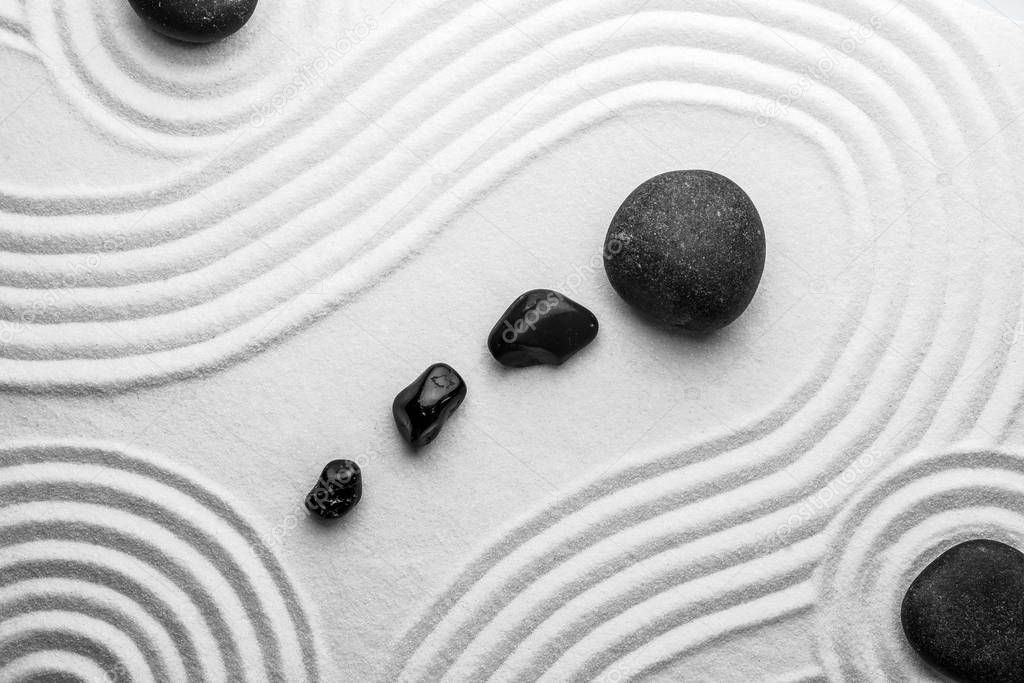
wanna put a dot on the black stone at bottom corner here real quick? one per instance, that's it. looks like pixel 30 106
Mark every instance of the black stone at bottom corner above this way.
pixel 541 327
pixel 964 614
pixel 338 490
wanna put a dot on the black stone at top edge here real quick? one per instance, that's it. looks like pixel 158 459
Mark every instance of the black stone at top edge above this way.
pixel 195 21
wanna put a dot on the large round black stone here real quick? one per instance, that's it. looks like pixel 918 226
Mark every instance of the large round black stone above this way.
pixel 687 249
pixel 195 21
pixel 965 613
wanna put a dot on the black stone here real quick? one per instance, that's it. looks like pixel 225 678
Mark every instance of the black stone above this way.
pixel 541 327
pixel 965 613
pixel 422 408
pixel 687 249
pixel 337 491
pixel 195 21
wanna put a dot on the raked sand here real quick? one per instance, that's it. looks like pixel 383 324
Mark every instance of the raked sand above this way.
pixel 219 264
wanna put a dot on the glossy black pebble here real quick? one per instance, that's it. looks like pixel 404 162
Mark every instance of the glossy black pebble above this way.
pixel 195 21
pixel 965 613
pixel 687 249
pixel 423 407
pixel 337 491
pixel 541 327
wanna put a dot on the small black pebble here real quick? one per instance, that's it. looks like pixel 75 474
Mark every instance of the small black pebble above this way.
pixel 687 249
pixel 541 327
pixel 422 408
pixel 195 21
pixel 964 614
pixel 337 491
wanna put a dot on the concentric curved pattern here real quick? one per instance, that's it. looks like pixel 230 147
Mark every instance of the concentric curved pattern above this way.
pixel 911 514
pixel 656 558
pixel 113 563
pixel 152 95
pixel 684 548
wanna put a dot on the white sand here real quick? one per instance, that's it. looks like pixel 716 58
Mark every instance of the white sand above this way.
pixel 174 220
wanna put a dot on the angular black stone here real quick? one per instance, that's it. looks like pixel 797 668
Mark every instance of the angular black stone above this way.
pixel 195 21
pixel 337 491
pixel 423 407
pixel 687 249
pixel 541 327
pixel 965 613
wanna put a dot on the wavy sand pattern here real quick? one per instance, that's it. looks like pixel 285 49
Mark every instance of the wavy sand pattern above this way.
pixel 207 282
pixel 915 510
pixel 111 562
pixel 669 553
pixel 639 568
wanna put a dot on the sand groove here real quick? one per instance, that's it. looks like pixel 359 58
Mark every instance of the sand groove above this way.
pixel 632 571
pixel 211 329
pixel 496 591
pixel 140 569
pixel 913 511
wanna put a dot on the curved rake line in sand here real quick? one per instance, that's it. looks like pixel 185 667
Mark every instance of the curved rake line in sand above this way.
pixel 102 78
pixel 50 334
pixel 12 17
pixel 927 502
pixel 154 66
pixel 614 478
pixel 27 351
pixel 695 598
pixel 215 84
pixel 38 456
pixel 166 643
pixel 13 31
pixel 234 616
pixel 95 349
pixel 135 303
pixel 311 147
pixel 153 655
pixel 656 650
pixel 54 665
pixel 986 521
pixel 58 375
pixel 107 60
pixel 391 45
pixel 191 633
pixel 462 113
pixel 692 634
pixel 75 634
pixel 102 305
